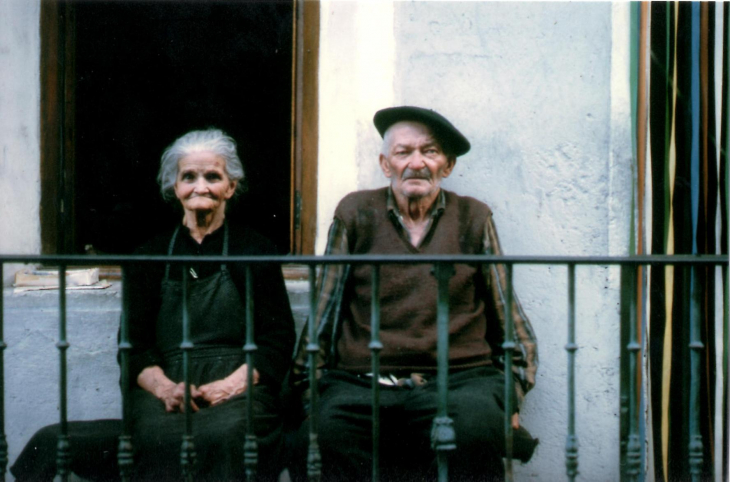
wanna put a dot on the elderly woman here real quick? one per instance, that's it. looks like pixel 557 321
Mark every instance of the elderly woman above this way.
pixel 202 172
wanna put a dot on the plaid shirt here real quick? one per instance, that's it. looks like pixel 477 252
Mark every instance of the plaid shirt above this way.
pixel 333 278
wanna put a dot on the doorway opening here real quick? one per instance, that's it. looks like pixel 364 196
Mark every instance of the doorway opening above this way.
pixel 123 80
pixel 146 73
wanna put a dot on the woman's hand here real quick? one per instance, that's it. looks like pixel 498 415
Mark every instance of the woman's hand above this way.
pixel 154 380
pixel 234 384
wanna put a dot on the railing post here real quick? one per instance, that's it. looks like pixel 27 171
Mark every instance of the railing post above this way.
pixel 250 448
pixel 509 385
pixel 696 346
pixel 125 452
pixel 187 448
pixel 375 346
pixel 314 460
pixel 571 443
pixel 3 439
pixel 63 459
pixel 633 445
pixel 443 437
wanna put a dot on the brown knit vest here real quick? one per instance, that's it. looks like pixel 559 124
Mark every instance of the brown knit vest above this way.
pixel 408 292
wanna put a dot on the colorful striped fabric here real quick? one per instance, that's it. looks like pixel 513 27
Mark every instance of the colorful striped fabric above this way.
pixel 686 183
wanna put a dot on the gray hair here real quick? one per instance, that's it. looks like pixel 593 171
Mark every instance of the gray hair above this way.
pixel 387 142
pixel 209 140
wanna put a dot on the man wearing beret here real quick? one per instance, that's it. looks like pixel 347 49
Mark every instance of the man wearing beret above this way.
pixel 414 215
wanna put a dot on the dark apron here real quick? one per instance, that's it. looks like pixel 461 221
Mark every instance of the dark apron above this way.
pixel 217 323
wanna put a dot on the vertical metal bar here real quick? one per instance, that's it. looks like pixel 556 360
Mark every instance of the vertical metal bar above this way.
pixel 187 448
pixel 250 447
pixel 443 437
pixel 375 346
pixel 696 346
pixel 3 439
pixel 571 443
pixel 509 380
pixel 125 457
pixel 314 460
pixel 633 447
pixel 627 299
pixel 63 459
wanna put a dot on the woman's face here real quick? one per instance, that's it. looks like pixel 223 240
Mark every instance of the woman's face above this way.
pixel 202 184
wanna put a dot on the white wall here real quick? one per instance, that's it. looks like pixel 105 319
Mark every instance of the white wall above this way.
pixel 19 128
pixel 357 71
pixel 541 90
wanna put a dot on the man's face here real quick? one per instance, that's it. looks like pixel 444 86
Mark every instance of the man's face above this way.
pixel 415 161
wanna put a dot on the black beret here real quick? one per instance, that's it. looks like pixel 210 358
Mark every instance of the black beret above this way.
pixel 452 141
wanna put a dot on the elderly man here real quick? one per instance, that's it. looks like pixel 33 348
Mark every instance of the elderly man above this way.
pixel 414 215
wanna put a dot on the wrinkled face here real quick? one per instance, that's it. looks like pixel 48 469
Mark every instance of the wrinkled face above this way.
pixel 202 183
pixel 415 161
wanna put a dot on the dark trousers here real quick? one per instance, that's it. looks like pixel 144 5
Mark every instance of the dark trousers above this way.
pixel 476 406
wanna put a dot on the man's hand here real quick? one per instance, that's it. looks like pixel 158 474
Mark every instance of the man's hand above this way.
pixel 516 421
pixel 234 384
pixel 154 380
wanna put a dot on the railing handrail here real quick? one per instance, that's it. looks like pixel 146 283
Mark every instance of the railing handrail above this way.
pixel 119 259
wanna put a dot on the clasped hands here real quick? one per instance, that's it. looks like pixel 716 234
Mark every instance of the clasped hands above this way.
pixel 214 393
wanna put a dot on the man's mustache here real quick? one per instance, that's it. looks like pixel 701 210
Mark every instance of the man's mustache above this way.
pixel 417 174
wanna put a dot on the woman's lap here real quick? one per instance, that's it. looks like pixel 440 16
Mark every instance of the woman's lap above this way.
pixel 219 436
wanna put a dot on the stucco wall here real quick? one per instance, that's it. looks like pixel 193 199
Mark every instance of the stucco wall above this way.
pixel 541 90
pixel 19 128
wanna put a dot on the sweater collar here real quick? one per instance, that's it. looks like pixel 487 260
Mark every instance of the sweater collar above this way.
pixel 396 217
pixel 438 206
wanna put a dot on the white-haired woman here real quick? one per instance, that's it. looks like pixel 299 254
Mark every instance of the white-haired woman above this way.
pixel 202 171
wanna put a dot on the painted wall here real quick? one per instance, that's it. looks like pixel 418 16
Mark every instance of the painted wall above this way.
pixel 19 128
pixel 541 90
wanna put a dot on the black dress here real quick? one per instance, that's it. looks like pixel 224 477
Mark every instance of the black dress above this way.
pixel 217 307
pixel 216 310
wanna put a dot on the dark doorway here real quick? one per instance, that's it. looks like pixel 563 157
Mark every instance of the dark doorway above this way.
pixel 146 73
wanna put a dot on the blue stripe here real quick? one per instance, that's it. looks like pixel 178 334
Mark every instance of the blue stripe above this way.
pixel 695 106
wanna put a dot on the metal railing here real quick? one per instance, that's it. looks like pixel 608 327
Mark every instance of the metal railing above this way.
pixel 443 438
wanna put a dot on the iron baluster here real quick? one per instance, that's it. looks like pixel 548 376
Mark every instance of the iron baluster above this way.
pixel 509 385
pixel 633 446
pixel 696 346
pixel 571 443
pixel 314 460
pixel 63 458
pixel 125 458
pixel 250 447
pixel 375 346
pixel 187 448
pixel 3 438
pixel 443 437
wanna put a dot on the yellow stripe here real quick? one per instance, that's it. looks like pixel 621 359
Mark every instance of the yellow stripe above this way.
pixel 669 270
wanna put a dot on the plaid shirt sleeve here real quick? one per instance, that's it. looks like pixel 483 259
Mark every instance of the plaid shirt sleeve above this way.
pixel 329 289
pixel 525 360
